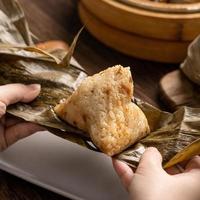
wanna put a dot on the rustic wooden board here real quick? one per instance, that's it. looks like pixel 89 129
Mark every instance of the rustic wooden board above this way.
pixel 177 90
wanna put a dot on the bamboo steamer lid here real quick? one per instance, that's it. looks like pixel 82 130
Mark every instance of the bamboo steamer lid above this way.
pixel 133 44
pixel 174 22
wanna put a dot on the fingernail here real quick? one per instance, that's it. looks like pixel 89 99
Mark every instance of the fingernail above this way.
pixel 35 86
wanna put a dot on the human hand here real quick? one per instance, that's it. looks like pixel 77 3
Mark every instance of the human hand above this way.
pixel 11 128
pixel 151 182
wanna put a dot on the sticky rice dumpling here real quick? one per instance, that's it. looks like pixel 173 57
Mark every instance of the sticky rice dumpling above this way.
pixel 101 107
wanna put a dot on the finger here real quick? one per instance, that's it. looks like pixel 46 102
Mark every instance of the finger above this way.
pixel 192 176
pixel 12 93
pixel 150 160
pixel 124 172
pixel 19 131
pixel 194 163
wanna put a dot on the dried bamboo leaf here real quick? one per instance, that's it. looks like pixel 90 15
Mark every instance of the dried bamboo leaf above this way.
pixel 27 64
pixel 8 32
pixel 13 25
pixel 190 151
pixel 173 133
pixel 57 83
pixel 66 60
pixel 28 52
pixel 190 67
pixel 57 48
pixel 30 64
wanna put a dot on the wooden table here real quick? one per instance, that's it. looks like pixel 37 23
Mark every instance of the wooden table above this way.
pixel 58 19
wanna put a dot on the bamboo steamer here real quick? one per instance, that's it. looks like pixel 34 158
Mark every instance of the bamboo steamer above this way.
pixel 178 22
pixel 132 44
pixel 144 29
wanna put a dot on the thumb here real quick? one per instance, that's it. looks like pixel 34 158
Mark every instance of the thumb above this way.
pixel 124 172
pixel 151 161
pixel 13 93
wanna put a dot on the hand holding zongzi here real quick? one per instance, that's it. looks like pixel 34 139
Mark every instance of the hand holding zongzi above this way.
pixel 12 129
pixel 151 182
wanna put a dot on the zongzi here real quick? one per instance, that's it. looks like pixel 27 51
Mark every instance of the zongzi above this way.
pixel 102 108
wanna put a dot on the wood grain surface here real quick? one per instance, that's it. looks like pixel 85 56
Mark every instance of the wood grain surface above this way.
pixel 141 21
pixel 52 19
pixel 133 44
pixel 177 90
